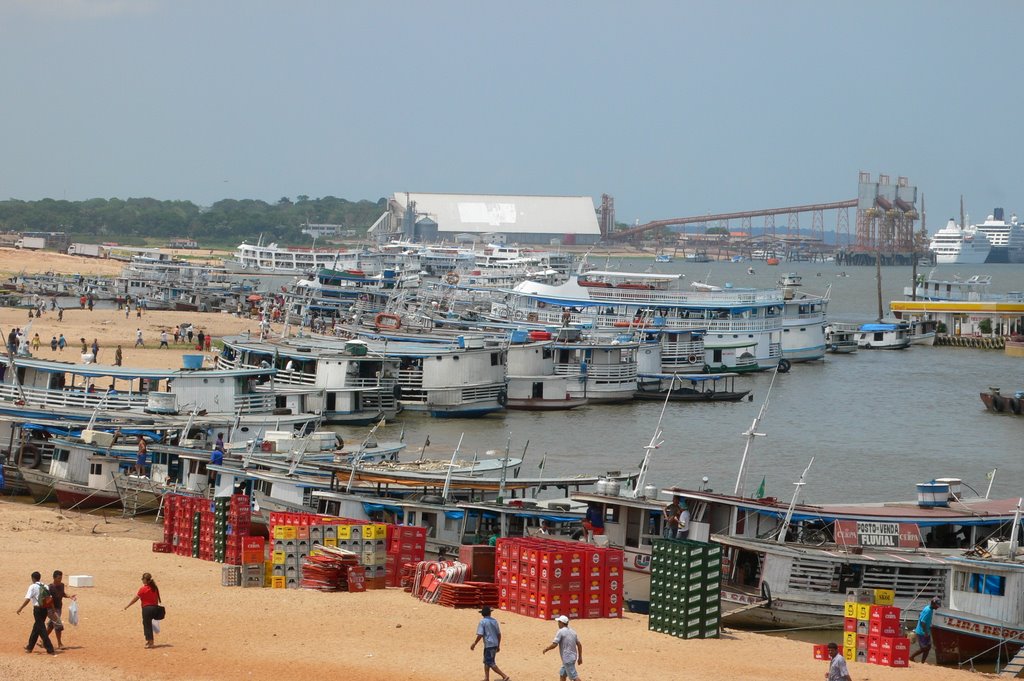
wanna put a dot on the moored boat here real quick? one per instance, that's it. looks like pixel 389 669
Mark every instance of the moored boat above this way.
pixel 996 402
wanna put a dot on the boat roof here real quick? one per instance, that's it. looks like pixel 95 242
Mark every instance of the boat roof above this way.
pixel 926 558
pixel 974 511
pixel 693 378
pixel 632 275
pixel 879 327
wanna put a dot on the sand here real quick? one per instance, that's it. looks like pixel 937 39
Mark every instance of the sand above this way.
pixel 111 328
pixel 215 632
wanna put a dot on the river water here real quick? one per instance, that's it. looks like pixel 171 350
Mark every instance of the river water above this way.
pixel 875 422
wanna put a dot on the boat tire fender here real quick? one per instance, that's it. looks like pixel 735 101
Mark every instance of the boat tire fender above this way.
pixel 706 369
pixel 1014 405
pixel 503 398
pixel 452 278
pixel 692 359
pixel 396 391
pixel 784 366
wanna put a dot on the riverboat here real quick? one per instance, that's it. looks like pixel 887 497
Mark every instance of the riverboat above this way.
pixel 996 402
pixel 689 388
pixel 881 336
pixel 841 339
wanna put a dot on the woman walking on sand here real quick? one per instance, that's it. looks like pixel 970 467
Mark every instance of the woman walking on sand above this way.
pixel 149 595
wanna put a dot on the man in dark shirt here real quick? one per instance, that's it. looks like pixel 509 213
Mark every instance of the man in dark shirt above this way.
pixel 593 523
pixel 56 613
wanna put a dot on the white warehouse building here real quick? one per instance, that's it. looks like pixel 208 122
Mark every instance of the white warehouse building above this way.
pixel 433 218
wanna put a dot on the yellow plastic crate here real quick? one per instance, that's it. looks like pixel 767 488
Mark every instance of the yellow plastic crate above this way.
pixel 849 609
pixel 850 639
pixel 278 557
pixel 277 582
pixel 344 531
pixel 331 541
pixel 863 611
pixel 885 597
pixel 850 653
pixel 285 532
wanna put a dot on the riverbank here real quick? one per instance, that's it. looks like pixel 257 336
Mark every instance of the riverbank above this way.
pixel 215 632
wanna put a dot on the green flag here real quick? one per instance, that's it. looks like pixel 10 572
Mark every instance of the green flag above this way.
pixel 542 460
pixel 759 494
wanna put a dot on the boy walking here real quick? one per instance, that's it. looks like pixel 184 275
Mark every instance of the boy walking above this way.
pixel 59 593
pixel 569 647
pixel 39 610
pixel 489 632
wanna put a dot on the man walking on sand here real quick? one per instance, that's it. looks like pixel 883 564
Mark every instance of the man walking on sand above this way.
pixel 837 669
pixel 490 633
pixel 138 338
pixel 118 356
pixel 39 611
pixel 163 338
pixel 569 647
pixel 923 631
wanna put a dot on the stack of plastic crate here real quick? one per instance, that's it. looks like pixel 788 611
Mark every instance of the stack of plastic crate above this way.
pixel 405 544
pixel 686 582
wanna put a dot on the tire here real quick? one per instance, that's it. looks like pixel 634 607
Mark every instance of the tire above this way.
pixel 1014 405
pixel 503 398
pixel 784 366
pixel 396 391
pixel 29 457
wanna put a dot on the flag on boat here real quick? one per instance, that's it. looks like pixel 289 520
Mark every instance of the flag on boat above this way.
pixel 759 494
pixel 542 460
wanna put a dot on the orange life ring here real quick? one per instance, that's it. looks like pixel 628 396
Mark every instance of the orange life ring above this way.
pixel 622 324
pixel 452 278
pixel 394 321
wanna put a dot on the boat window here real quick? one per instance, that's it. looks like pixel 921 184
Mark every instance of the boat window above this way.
pixel 61 455
pixel 979 583
pixel 95 469
pixel 813 575
pixel 494 359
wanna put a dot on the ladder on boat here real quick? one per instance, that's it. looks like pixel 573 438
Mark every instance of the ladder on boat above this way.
pixel 1014 666
pixel 129 499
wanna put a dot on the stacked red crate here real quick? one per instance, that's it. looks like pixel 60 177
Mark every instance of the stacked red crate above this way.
pixel 885 644
pixel 405 544
pixel 545 578
pixel 239 525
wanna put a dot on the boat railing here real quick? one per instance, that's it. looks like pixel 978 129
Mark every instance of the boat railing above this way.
pixel 620 372
pixel 294 377
pixel 248 403
pixel 681 349
pixel 725 297
pixel 72 397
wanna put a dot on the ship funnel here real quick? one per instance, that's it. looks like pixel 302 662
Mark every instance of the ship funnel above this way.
pixel 997 213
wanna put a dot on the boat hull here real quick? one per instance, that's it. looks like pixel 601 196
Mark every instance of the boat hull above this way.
pixel 692 396
pixel 544 405
pixel 960 637
pixel 1003 404
pixel 70 495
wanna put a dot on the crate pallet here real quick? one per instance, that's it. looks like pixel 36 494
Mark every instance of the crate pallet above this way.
pixel 468 595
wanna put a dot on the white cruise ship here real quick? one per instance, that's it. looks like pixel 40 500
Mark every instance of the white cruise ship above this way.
pixel 1007 238
pixel 953 245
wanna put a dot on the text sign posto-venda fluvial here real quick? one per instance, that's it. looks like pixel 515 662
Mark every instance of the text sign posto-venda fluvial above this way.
pixel 877 534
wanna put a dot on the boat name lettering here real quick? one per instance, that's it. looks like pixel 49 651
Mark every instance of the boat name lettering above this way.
pixel 980 628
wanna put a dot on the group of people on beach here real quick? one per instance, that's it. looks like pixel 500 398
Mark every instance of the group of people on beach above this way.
pixel 47 602
pixel 566 639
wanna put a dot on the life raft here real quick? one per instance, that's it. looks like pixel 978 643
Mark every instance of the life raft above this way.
pixel 386 320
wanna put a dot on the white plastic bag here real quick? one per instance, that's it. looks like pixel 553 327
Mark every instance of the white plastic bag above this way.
pixel 73 613
pixel 156 626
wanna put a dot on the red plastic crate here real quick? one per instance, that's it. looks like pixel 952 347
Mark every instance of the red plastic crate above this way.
pixel 850 624
pixel 821 652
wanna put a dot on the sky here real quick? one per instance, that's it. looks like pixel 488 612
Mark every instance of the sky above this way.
pixel 672 108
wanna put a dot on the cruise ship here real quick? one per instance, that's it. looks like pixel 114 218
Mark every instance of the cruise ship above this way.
pixel 953 245
pixel 1007 238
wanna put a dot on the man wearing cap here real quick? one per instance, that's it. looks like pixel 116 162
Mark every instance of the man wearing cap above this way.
pixel 489 631
pixel 569 647
pixel 837 669
pixel 923 631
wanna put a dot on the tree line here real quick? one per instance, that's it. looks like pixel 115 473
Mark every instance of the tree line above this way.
pixel 225 223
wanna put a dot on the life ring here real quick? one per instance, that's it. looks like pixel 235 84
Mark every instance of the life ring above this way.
pixel 503 313
pixel 396 391
pixel 999 403
pixel 452 278
pixel 622 324
pixel 692 359
pixel 267 446
pixel 520 315
pixel 784 366
pixel 706 369
pixel 502 398
pixel 393 321
pixel 29 457
pixel 541 304
pixel 284 289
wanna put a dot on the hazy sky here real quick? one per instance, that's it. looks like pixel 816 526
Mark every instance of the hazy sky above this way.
pixel 673 108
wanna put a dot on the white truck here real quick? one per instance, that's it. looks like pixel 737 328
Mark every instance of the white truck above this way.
pixel 88 250
pixel 31 242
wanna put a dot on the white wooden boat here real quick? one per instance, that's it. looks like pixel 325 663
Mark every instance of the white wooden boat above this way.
pixel 881 336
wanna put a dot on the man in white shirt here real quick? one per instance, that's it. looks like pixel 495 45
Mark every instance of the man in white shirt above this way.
pixel 837 669
pixel 570 649
pixel 39 614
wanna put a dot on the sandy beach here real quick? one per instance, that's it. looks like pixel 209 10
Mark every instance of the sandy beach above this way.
pixel 215 632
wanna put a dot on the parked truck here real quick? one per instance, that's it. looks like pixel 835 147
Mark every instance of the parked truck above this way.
pixel 31 242
pixel 88 250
